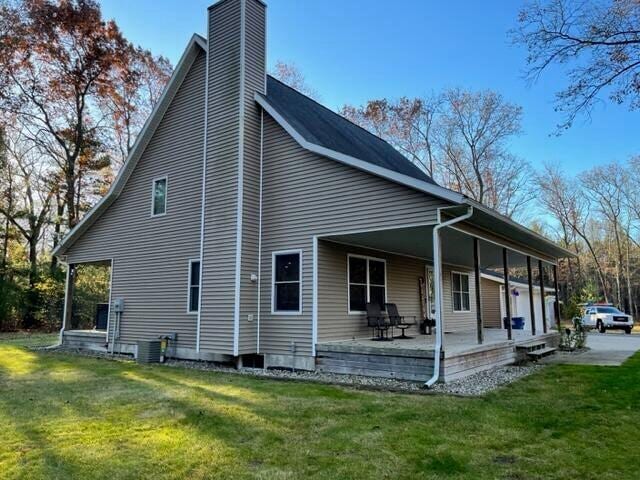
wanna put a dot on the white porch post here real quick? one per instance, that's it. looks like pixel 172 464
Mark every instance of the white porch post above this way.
pixel 478 291
pixel 507 292
pixel 542 295
pixel 556 290
pixel 438 292
pixel 532 311
pixel 314 296
pixel 68 299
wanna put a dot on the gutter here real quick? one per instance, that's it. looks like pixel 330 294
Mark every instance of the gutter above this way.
pixel 437 273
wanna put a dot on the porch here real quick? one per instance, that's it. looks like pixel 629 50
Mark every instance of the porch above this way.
pixel 413 359
pixel 432 273
pixel 87 304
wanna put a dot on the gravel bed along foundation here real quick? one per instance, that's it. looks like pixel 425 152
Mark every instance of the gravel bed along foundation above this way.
pixel 473 385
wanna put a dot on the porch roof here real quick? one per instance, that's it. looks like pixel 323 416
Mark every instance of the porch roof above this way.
pixel 457 241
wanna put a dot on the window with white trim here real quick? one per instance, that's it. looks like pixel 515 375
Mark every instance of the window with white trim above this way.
pixel 193 304
pixel 460 292
pixel 286 291
pixel 367 282
pixel 159 197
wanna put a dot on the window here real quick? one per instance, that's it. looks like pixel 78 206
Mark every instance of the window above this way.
pixel 194 287
pixel 367 282
pixel 286 272
pixel 460 292
pixel 159 197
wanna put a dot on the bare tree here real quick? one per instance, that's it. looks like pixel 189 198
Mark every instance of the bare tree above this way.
pixel 475 128
pixel 408 124
pixel 606 184
pixel 563 199
pixel 290 74
pixel 599 42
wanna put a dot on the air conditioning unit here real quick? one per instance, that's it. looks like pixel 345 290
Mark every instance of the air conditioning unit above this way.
pixel 148 351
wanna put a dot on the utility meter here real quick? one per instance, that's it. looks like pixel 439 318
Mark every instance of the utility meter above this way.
pixel 118 305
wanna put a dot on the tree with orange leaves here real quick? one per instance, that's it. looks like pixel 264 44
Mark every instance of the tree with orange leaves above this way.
pixel 56 61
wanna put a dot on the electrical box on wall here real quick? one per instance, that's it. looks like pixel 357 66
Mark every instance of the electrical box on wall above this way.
pixel 118 305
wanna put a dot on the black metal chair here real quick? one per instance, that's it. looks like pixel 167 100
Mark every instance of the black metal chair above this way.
pixel 378 322
pixel 398 321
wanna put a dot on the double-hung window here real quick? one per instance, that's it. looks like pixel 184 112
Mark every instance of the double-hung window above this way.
pixel 286 288
pixel 460 292
pixel 367 282
pixel 159 197
pixel 193 303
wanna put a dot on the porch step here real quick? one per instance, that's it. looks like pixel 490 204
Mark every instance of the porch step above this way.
pixel 540 353
pixel 532 346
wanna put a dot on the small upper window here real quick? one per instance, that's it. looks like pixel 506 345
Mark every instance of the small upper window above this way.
pixel 460 292
pixel 159 198
pixel 286 282
pixel 194 286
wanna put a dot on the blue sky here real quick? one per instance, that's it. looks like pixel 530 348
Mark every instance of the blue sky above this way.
pixel 354 50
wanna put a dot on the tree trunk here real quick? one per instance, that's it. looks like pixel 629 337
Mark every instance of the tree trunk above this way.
pixel 32 297
pixel 5 248
pixel 57 227
pixel 70 194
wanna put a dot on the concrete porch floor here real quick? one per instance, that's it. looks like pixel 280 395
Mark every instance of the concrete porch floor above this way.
pixel 454 343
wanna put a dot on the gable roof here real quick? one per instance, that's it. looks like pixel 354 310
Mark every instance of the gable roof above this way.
pixel 321 126
pixel 315 128
pixel 196 44
pixel 322 131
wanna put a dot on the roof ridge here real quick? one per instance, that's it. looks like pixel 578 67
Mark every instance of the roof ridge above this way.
pixel 352 123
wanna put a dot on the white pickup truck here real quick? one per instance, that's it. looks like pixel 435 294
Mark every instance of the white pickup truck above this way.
pixel 605 318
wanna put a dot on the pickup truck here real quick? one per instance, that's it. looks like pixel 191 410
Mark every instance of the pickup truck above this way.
pixel 605 318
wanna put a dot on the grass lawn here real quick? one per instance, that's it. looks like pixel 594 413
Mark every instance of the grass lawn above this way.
pixel 67 417
pixel 29 339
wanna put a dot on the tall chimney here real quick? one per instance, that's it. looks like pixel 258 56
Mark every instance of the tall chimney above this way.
pixel 235 72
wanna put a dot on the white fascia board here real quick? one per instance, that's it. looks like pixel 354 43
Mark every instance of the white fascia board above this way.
pixel 150 126
pixel 516 225
pixel 426 187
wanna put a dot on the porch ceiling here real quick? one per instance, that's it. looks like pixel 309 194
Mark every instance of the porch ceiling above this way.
pixel 457 246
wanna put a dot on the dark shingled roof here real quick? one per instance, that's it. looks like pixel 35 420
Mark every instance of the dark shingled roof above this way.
pixel 320 126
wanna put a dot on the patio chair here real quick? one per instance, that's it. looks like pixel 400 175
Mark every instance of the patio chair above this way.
pixel 398 321
pixel 378 322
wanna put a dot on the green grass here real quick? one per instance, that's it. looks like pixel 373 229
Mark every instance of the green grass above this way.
pixel 66 417
pixel 29 339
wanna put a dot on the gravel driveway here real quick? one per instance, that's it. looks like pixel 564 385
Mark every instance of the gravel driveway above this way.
pixel 607 349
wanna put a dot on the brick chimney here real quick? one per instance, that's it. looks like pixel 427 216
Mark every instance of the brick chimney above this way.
pixel 235 72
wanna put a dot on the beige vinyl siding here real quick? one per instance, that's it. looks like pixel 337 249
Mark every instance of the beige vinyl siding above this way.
pixel 457 321
pixel 254 82
pixel 221 195
pixel 151 255
pixel 336 323
pixel 491 304
pixel 304 195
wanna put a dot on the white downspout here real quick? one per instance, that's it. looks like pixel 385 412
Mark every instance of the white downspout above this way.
pixel 437 273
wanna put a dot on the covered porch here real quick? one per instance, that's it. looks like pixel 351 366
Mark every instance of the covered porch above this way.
pixel 432 273
pixel 85 321
pixel 413 359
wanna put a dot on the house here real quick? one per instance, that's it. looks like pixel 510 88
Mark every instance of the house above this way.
pixel 252 225
pixel 493 306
